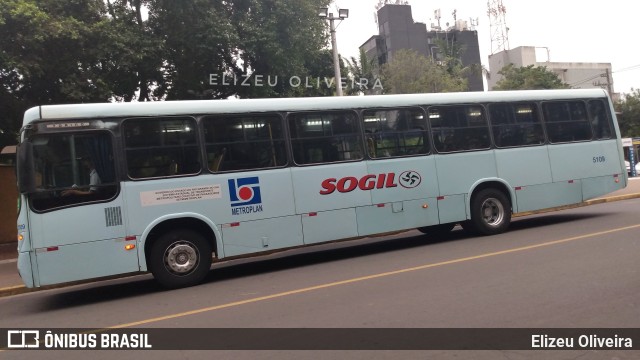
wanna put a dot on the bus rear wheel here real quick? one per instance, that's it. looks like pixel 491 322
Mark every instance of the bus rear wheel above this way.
pixel 490 212
pixel 180 258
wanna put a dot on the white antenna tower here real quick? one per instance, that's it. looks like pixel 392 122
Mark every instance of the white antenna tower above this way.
pixel 436 15
pixel 498 26
pixel 474 23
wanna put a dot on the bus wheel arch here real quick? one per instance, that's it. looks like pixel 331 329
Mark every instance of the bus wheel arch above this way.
pixel 490 208
pixel 179 251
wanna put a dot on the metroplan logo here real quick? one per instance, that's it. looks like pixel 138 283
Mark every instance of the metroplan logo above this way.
pixel 244 195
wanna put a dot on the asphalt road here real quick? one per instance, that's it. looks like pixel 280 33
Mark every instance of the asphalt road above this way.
pixel 574 268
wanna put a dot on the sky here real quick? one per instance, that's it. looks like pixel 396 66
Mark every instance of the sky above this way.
pixel 573 31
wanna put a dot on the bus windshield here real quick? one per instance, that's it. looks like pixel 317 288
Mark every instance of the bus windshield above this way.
pixel 71 169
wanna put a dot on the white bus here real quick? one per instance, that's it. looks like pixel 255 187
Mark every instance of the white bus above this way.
pixel 169 187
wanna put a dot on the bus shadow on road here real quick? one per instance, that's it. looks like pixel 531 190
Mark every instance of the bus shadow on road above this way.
pixel 296 258
pixel 101 292
pixel 525 223
pixel 127 288
pixel 338 251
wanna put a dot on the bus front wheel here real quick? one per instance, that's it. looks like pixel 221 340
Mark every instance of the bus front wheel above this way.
pixel 180 258
pixel 490 212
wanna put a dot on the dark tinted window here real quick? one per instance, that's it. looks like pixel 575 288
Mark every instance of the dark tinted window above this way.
pixel 244 143
pixel 325 137
pixel 391 133
pixel 459 128
pixel 515 124
pixel 600 120
pixel 158 147
pixel 566 121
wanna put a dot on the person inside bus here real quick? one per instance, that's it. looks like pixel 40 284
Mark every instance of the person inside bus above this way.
pixel 94 180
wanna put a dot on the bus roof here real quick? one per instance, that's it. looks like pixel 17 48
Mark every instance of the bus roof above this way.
pixel 190 107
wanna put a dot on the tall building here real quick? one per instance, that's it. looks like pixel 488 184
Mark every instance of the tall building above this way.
pixel 578 75
pixel 468 40
pixel 398 31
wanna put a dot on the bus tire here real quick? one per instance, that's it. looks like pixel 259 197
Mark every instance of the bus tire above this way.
pixel 437 230
pixel 490 212
pixel 180 258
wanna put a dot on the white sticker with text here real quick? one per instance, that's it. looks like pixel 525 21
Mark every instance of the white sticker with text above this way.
pixel 170 196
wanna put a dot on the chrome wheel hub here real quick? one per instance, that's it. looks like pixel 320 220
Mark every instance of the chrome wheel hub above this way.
pixel 181 257
pixel 492 212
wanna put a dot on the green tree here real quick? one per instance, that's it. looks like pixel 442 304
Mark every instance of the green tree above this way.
pixel 629 107
pixel 528 78
pixel 48 56
pixel 49 53
pixel 283 38
pixel 361 72
pixel 450 56
pixel 10 116
pixel 199 39
pixel 133 56
pixel 321 75
pixel 409 72
pixel 247 48
pixel 55 51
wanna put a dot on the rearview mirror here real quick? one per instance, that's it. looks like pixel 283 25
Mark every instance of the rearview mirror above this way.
pixel 25 168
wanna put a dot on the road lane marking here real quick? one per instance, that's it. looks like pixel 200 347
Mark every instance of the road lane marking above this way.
pixel 364 278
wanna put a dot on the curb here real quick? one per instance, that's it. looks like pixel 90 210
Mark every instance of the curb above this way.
pixel 21 289
pixel 16 290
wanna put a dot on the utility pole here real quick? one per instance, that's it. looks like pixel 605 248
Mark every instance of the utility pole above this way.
pixel 342 14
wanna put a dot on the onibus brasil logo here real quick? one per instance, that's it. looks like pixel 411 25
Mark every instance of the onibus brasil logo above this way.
pixel 244 195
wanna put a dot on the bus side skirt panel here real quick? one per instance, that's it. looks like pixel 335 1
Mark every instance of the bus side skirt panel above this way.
pixel 545 196
pixel 113 260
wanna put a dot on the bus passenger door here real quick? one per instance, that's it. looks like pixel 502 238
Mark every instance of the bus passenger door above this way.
pixel 404 197
pixel 327 197
pixel 402 176
pixel 328 185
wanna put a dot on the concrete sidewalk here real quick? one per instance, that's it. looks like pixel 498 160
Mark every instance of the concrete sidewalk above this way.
pixel 11 284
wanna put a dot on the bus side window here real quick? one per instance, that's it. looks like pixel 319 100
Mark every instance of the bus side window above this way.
pixel 515 124
pixel 600 122
pixel 325 137
pixel 566 121
pixel 247 142
pixel 459 128
pixel 392 133
pixel 157 147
